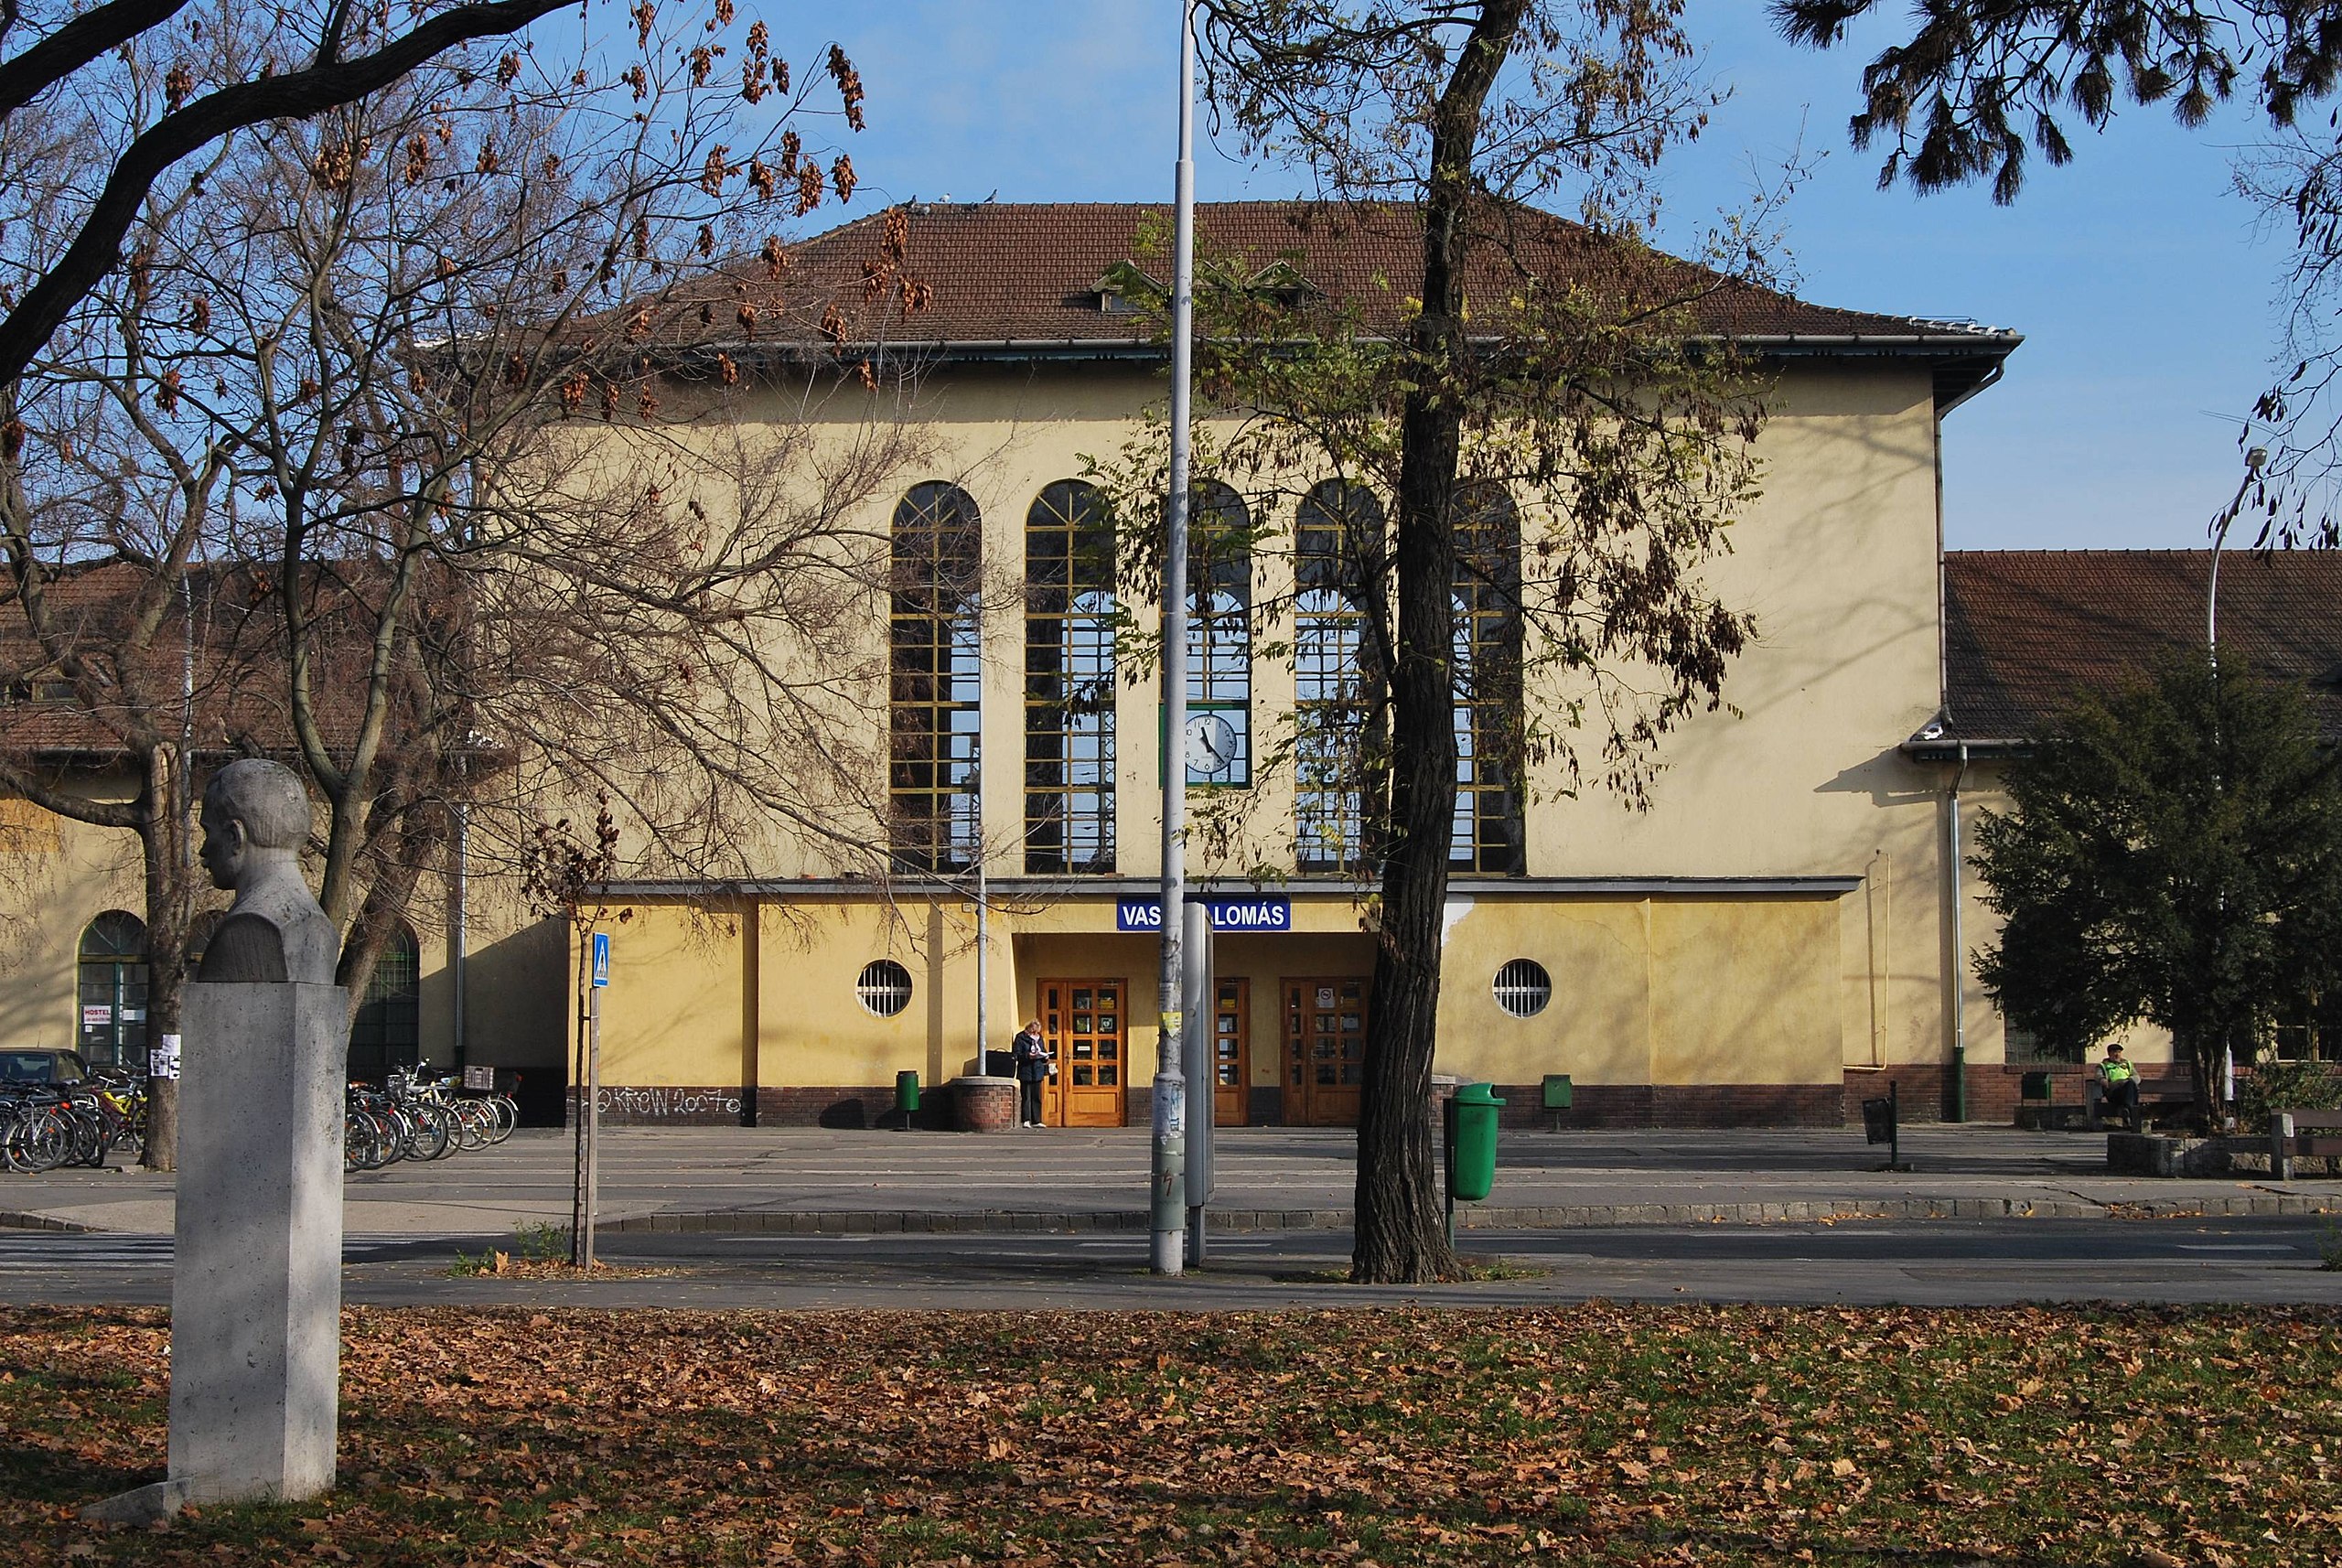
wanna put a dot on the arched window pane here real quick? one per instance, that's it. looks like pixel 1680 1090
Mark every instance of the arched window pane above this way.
pixel 1488 832
pixel 387 1031
pixel 1069 681
pixel 111 992
pixel 935 666
pixel 1337 534
pixel 1219 627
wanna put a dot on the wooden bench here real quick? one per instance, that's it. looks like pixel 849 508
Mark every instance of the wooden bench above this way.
pixel 2293 1134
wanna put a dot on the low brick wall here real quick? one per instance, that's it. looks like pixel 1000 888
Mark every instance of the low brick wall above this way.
pixel 1677 1105
pixel 852 1108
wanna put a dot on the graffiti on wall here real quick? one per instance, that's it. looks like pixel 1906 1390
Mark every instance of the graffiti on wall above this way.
pixel 666 1105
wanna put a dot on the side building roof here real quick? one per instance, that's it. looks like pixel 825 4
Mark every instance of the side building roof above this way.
pixel 2026 630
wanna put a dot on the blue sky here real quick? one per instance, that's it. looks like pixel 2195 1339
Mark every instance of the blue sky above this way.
pixel 2146 294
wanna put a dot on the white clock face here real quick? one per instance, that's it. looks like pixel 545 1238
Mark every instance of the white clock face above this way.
pixel 1211 745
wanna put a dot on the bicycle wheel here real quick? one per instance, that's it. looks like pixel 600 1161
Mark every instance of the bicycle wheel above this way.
pixel 475 1123
pixel 45 1143
pixel 508 1116
pixel 362 1147
pixel 433 1136
pixel 11 1130
pixel 88 1131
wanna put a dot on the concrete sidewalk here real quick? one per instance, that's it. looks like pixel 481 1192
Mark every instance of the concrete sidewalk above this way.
pixel 808 1180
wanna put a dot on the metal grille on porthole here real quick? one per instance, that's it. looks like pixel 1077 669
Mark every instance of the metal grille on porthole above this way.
pixel 1523 988
pixel 885 987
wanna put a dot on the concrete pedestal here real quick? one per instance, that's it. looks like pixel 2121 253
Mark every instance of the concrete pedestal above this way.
pixel 256 1291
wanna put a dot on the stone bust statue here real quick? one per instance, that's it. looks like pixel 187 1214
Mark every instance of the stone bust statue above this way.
pixel 255 818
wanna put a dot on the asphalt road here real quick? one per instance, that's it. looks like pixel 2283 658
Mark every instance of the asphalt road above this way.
pixel 1934 1262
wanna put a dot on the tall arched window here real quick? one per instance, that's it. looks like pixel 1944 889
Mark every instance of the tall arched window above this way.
pixel 1069 681
pixel 387 1031
pixel 934 667
pixel 1487 833
pixel 1218 744
pixel 112 992
pixel 1337 690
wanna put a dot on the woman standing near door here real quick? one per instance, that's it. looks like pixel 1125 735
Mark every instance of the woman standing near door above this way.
pixel 1032 1054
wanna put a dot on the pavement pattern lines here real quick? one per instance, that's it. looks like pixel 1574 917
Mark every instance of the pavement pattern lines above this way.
pixel 1937 1263
pixel 819 1180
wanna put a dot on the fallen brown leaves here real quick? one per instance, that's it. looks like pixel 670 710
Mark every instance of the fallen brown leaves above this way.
pixel 1610 1434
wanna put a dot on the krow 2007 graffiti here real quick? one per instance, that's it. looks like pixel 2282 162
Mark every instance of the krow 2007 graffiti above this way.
pixel 655 1104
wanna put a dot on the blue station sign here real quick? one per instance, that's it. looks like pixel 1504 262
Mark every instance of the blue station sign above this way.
pixel 1227 914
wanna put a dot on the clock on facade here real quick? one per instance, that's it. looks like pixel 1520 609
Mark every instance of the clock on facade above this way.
pixel 1216 747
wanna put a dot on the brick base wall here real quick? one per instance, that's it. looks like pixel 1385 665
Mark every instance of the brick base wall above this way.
pixel 628 1105
pixel 1677 1105
pixel 1994 1089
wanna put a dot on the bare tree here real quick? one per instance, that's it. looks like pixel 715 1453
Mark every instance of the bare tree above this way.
pixel 405 366
pixel 1524 486
pixel 86 133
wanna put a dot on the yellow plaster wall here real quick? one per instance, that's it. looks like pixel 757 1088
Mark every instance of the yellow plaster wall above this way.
pixel 56 876
pixel 672 1013
pixel 1665 991
pixel 812 1028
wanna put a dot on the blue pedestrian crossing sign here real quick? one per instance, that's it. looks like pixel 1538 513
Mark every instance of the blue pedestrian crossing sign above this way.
pixel 601 958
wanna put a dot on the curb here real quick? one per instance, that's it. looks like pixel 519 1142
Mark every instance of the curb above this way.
pixel 16 1220
pixel 867 1222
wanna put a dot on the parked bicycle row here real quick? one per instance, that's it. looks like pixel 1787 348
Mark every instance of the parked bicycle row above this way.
pixel 412 1116
pixel 415 1116
pixel 43 1126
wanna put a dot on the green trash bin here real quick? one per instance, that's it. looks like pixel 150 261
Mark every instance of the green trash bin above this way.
pixel 1472 1142
pixel 907 1093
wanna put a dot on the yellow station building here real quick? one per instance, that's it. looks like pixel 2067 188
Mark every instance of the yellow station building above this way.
pixel 1774 927
pixel 1777 936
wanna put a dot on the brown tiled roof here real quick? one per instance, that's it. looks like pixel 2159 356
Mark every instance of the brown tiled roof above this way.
pixel 2025 630
pixel 239 701
pixel 1027 273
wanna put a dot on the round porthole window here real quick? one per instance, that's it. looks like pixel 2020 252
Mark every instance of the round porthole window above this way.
pixel 1523 988
pixel 885 987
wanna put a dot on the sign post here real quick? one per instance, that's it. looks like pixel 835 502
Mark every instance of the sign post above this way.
pixel 589 1183
pixel 1203 1072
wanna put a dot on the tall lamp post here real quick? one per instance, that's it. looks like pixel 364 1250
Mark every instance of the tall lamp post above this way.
pixel 2255 459
pixel 1167 1197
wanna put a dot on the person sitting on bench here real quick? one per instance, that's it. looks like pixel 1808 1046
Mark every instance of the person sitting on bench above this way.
pixel 2122 1081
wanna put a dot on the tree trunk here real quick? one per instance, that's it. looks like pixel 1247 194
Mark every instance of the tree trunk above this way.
pixel 162 839
pixel 1400 1237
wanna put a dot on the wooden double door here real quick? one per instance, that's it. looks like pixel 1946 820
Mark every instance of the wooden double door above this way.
pixel 1325 1051
pixel 1087 1024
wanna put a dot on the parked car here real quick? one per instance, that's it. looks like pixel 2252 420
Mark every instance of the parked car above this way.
pixel 41 1064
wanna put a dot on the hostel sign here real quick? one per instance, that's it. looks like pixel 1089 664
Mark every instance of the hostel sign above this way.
pixel 1227 914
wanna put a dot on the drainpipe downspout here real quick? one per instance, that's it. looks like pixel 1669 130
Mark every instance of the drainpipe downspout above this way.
pixel 1958 977
pixel 459 940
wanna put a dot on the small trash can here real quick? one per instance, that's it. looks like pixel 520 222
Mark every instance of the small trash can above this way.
pixel 907 1093
pixel 1472 1142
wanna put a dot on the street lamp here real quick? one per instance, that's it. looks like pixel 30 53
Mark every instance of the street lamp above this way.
pixel 2255 459
pixel 1167 1196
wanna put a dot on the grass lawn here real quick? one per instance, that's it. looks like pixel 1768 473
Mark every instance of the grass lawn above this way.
pixel 1599 1434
